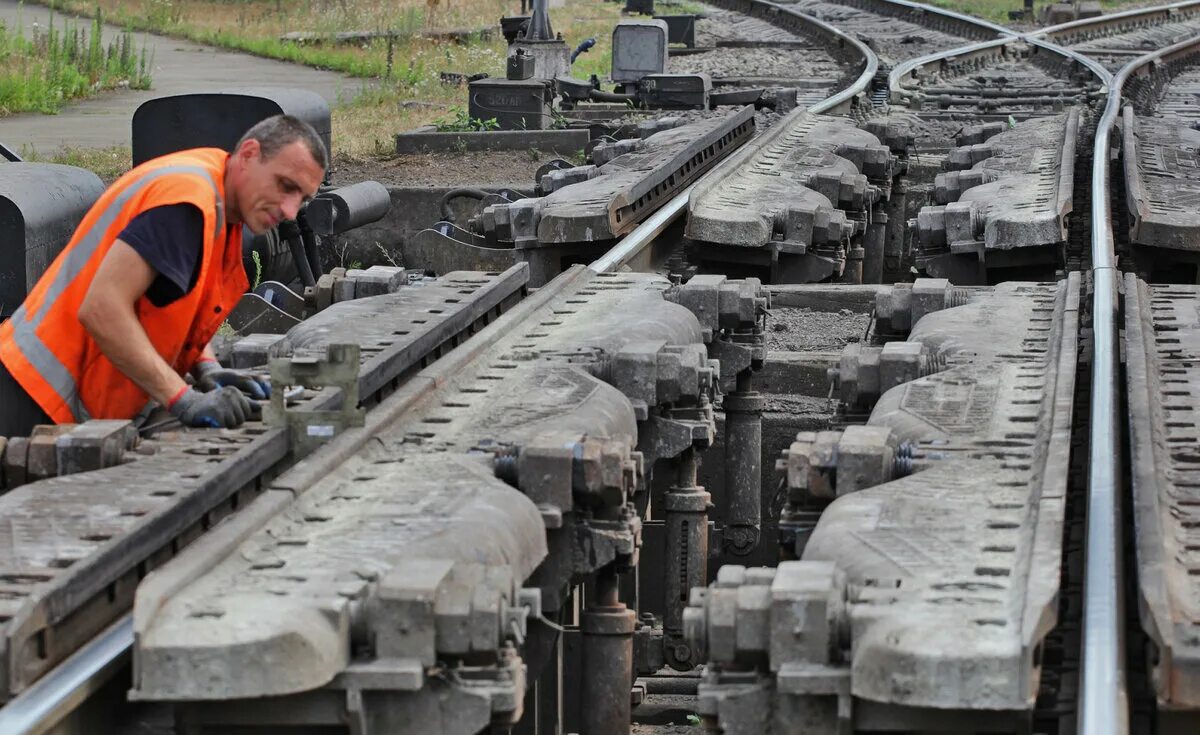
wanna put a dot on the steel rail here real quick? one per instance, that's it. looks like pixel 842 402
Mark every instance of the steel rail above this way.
pixel 54 696
pixel 62 689
pixel 1103 699
pixel 905 68
pixel 932 10
pixel 1164 13
pixel 633 244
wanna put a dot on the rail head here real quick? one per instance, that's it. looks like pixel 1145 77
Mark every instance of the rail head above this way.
pixel 1102 700
pixel 1116 22
pixel 634 244
pixel 898 92
pixel 969 23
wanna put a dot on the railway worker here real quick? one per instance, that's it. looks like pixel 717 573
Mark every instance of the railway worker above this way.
pixel 131 304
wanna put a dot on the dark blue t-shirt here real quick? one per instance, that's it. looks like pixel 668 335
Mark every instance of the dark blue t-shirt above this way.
pixel 169 238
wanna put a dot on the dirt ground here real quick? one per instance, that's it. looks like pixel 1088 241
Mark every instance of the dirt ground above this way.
pixel 483 169
pixel 804 330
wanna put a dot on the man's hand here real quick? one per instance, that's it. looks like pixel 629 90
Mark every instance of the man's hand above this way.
pixel 210 376
pixel 223 408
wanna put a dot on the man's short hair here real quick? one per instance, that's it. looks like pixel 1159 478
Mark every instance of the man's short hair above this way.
pixel 277 131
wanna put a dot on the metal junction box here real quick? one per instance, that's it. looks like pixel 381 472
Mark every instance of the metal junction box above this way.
pixel 639 48
pixel 218 119
pixel 516 104
pixel 675 91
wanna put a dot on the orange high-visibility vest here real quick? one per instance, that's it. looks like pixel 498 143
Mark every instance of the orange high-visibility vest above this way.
pixel 54 357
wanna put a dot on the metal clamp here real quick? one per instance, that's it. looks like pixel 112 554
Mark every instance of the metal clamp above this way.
pixel 309 429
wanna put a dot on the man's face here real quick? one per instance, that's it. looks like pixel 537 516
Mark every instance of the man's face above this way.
pixel 272 190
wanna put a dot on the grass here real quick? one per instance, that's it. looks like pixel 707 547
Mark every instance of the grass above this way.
pixel 255 26
pixel 408 91
pixel 364 126
pixel 65 62
pixel 997 10
pixel 107 163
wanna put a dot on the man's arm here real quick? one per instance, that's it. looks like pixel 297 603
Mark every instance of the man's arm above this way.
pixel 108 314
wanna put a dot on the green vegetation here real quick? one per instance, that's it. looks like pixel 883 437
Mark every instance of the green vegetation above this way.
pixel 406 62
pixel 107 163
pixel 257 269
pixel 65 62
pixel 997 10
pixel 460 121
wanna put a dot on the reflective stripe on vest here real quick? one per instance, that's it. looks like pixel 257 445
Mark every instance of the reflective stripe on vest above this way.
pixel 35 351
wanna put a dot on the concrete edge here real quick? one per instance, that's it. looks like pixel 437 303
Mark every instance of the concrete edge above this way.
pixel 425 140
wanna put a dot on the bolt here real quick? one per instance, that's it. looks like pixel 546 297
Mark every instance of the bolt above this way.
pixel 505 465
pixel 903 465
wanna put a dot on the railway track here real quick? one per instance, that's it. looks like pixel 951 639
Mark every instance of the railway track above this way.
pixel 516 476
pixel 1118 38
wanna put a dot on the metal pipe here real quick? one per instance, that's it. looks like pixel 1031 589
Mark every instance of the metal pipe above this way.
pixel 874 244
pixel 743 466
pixel 686 552
pixel 68 685
pixel 470 193
pixel 607 627
pixel 311 254
pixel 300 258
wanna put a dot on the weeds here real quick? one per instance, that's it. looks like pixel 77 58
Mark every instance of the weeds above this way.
pixel 60 64
pixel 107 163
pixel 387 255
pixel 460 121
pixel 258 269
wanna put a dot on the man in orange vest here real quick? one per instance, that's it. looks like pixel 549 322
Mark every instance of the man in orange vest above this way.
pixel 131 304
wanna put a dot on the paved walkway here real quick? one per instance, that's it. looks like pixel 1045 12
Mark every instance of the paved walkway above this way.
pixel 179 67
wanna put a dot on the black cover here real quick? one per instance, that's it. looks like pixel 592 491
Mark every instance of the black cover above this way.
pixel 41 204
pixel 219 119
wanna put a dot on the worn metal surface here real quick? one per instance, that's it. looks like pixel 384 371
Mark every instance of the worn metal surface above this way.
pixel 1162 185
pixel 1116 38
pixel 938 607
pixel 794 192
pixel 610 199
pixel 603 356
pixel 73 548
pixel 1162 329
pixel 1020 77
pixel 396 331
pixel 1004 201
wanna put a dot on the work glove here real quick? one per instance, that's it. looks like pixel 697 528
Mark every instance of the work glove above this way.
pixel 224 407
pixel 210 375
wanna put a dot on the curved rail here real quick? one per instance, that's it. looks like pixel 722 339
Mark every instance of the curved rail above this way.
pixel 1115 23
pixel 962 23
pixel 1102 702
pixel 905 70
pixel 635 243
